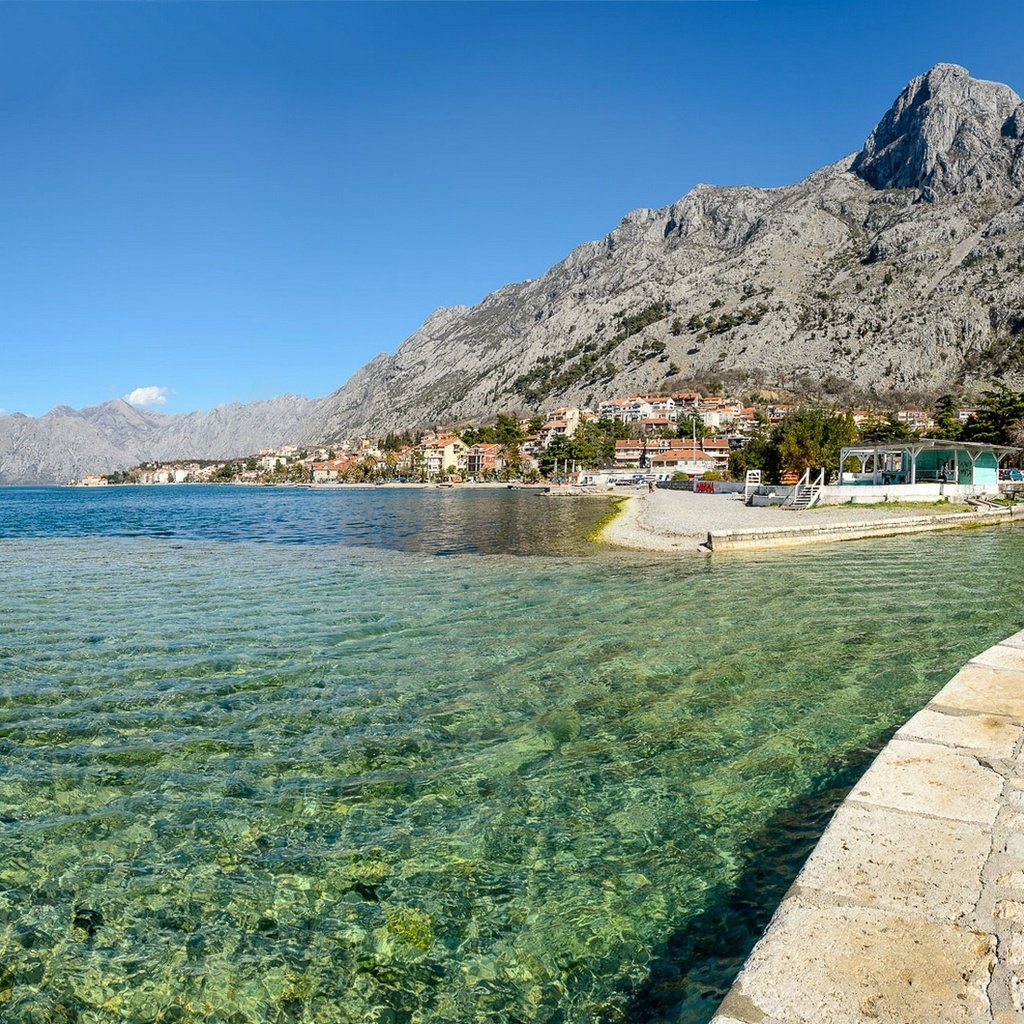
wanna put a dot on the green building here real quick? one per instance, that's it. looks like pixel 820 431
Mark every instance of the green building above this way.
pixel 927 461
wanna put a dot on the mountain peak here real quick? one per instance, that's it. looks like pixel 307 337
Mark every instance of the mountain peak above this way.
pixel 947 133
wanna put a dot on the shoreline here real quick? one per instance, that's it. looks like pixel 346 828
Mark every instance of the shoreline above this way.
pixel 685 523
pixel 911 906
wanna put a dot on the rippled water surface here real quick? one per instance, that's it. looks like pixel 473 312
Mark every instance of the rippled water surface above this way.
pixel 340 780
pixel 438 521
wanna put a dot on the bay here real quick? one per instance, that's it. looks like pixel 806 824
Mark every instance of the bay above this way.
pixel 273 756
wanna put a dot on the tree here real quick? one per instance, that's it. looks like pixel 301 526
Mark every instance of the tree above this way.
pixel 690 427
pixel 947 422
pixel 809 438
pixel 479 435
pixel 558 452
pixel 589 445
pixel 511 461
pixel 1000 417
pixel 885 431
pixel 806 439
pixel 507 431
pixel 758 453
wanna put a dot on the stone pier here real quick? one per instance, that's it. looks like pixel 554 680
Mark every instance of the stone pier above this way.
pixel 910 910
pixel 804 531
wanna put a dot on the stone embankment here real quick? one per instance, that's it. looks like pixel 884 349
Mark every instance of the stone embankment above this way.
pixel 683 522
pixel 910 910
pixel 811 533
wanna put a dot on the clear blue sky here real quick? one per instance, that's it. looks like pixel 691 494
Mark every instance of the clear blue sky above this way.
pixel 231 201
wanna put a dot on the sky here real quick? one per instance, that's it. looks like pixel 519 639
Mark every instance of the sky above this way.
pixel 205 203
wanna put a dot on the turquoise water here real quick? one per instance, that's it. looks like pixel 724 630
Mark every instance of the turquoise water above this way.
pixel 337 781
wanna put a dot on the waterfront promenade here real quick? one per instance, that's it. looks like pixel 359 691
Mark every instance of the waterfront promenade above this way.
pixel 910 910
pixel 681 522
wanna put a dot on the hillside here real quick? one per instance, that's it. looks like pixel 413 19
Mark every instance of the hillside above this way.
pixel 897 268
pixel 65 443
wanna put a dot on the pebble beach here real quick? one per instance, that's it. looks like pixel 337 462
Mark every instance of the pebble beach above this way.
pixel 679 521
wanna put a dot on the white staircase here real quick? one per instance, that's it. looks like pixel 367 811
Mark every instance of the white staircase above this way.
pixel 753 482
pixel 806 492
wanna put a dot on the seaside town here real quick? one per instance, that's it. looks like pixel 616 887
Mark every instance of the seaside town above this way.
pixel 512 513
pixel 678 436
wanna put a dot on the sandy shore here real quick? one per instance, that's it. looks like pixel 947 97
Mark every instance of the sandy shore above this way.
pixel 680 520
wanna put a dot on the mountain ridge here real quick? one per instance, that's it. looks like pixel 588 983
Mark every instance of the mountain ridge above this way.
pixel 898 267
pixel 64 443
pixel 872 244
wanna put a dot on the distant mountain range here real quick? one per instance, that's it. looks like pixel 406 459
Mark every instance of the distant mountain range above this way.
pixel 898 268
pixel 65 443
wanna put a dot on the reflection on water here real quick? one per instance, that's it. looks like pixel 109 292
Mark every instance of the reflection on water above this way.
pixel 247 782
pixel 440 521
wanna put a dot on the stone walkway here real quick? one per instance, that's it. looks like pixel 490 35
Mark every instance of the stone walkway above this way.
pixel 680 521
pixel 910 910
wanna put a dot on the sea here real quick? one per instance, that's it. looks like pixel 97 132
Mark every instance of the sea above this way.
pixel 275 756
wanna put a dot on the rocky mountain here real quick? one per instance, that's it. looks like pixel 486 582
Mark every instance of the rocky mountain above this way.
pixel 65 443
pixel 898 268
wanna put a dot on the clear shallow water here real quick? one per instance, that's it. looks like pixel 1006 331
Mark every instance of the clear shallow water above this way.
pixel 250 782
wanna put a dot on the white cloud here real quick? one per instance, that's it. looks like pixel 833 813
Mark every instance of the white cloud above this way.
pixel 147 396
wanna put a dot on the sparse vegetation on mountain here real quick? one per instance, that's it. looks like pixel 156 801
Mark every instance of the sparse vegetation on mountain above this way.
pixel 897 271
pixel 877 275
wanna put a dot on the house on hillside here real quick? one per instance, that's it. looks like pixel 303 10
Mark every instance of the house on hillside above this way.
pixel 441 452
pixel 329 470
pixel 672 454
pixel 483 458
pixel 693 461
pixel 915 419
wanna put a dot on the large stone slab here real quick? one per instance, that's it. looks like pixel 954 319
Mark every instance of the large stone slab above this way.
pixel 924 778
pixel 850 965
pixel 1001 656
pixel 988 735
pixel 1017 640
pixel 887 859
pixel 977 687
pixel 911 908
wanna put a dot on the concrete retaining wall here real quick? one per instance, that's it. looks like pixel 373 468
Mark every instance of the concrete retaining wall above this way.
pixel 719 486
pixel 865 494
pixel 803 532
pixel 910 910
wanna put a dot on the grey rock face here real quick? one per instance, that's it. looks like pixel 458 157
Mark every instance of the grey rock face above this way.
pixel 844 278
pixel 947 132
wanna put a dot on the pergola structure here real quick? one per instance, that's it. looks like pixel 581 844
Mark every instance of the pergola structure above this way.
pixel 926 460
